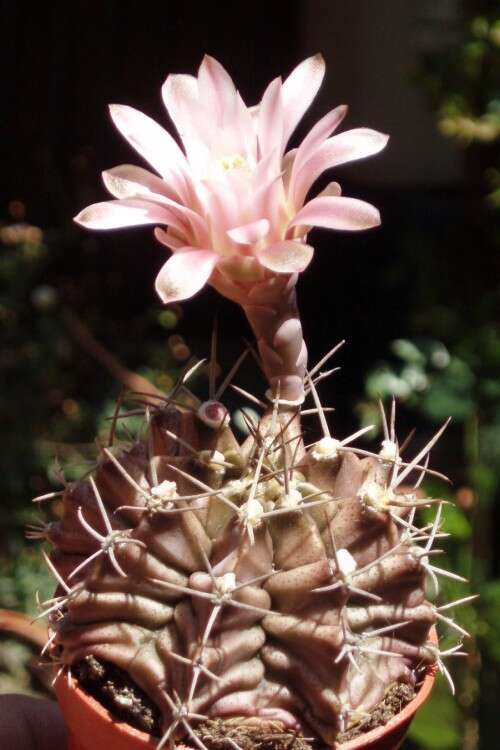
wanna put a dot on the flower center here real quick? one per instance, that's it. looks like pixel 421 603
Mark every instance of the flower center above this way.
pixel 232 161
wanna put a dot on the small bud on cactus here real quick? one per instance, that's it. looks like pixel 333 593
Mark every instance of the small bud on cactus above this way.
pixel 265 579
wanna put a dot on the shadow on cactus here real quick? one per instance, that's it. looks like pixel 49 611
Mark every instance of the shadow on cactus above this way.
pixel 268 581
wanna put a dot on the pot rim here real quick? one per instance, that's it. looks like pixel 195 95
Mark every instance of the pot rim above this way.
pixel 67 686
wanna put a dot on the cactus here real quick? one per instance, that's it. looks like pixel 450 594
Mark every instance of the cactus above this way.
pixel 269 579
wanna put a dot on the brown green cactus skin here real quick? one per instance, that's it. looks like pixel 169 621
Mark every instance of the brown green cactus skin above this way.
pixel 262 579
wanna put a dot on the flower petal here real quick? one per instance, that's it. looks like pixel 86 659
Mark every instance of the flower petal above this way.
pixel 299 90
pixel 184 274
pixel 180 96
pixel 271 121
pixel 217 91
pixel 332 189
pixel 126 213
pixel 168 238
pixel 153 143
pixel 248 234
pixel 286 257
pixel 129 181
pixel 353 144
pixel 335 212
pixel 316 136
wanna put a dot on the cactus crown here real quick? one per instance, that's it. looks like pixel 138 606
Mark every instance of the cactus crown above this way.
pixel 269 579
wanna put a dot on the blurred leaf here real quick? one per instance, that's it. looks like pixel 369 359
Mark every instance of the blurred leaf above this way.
pixel 437 725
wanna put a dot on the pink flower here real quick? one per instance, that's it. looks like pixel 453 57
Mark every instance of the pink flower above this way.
pixel 232 200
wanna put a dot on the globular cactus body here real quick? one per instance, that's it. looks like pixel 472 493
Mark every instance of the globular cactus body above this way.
pixel 263 579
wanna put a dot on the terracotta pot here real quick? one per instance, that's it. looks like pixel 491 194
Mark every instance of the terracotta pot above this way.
pixel 91 727
pixel 23 627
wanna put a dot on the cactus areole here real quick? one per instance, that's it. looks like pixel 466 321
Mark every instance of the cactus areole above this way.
pixel 264 582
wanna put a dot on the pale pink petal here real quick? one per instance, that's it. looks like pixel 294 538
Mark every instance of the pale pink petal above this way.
pixel 129 181
pixel 348 146
pixel 248 234
pixel 135 182
pixel 316 136
pixel 125 213
pixel 353 144
pixel 222 214
pixel 184 274
pixel 217 92
pixel 332 189
pixel 299 90
pixel 270 123
pixel 286 256
pixel 245 128
pixel 169 238
pixel 269 201
pixel 337 213
pixel 149 139
pixel 180 96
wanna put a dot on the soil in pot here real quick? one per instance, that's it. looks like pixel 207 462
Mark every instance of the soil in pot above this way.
pixel 113 688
